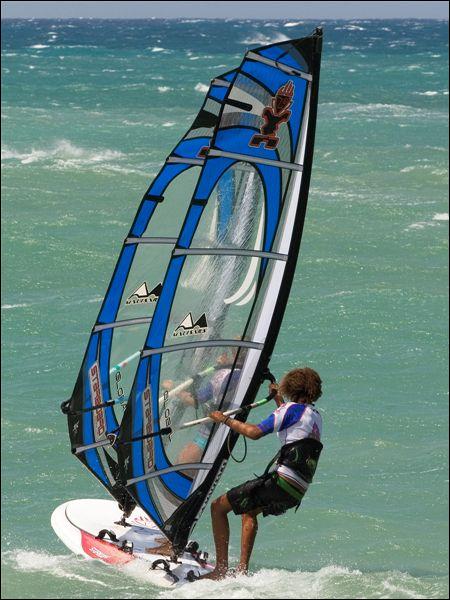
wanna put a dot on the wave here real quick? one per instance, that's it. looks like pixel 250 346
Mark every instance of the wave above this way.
pixel 63 153
pixel 63 566
pixel 379 110
pixel 432 169
pixel 37 429
pixel 328 582
pixel 435 221
pixel 262 39
pixel 350 27
pixel 331 581
pixel 159 49
pixel 428 93
pixel 10 306
pixel 201 87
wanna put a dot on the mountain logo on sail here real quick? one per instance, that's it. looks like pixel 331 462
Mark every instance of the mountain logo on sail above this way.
pixel 188 327
pixel 274 115
pixel 141 295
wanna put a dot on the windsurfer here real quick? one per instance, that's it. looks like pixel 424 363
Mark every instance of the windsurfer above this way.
pixel 298 425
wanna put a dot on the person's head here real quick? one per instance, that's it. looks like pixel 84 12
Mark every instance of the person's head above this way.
pixel 301 385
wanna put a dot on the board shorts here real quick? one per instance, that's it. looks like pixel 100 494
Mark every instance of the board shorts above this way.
pixel 202 437
pixel 262 493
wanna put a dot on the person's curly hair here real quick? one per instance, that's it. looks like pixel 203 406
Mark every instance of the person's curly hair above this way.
pixel 301 384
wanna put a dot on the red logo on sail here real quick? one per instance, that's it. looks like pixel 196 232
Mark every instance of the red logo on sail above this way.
pixel 274 115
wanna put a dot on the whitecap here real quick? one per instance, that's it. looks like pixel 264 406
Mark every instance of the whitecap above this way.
pixel 201 87
pixel 427 93
pixel 433 223
pixel 37 429
pixel 39 46
pixel 63 153
pixel 9 306
pixel 57 565
pixel 164 88
pixel 293 23
pixel 323 583
pixel 379 110
pixel 262 39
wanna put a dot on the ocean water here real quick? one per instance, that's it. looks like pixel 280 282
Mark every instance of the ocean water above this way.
pixel 89 111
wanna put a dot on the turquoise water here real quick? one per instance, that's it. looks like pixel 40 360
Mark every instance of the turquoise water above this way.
pixel 89 111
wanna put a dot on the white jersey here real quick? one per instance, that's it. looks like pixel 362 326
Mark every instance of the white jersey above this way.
pixel 292 422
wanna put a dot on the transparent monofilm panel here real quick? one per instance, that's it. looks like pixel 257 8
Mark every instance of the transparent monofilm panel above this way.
pixel 213 299
pixel 234 215
pixel 168 217
pixel 127 343
pixel 186 395
pixel 144 281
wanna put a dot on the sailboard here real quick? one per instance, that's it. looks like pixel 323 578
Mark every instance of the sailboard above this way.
pixel 195 304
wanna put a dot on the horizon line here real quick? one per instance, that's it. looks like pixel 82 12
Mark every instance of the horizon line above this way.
pixel 321 19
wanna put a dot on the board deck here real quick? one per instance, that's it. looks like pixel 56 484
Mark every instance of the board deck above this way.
pixel 78 523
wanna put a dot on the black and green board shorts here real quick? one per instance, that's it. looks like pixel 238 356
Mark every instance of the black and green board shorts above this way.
pixel 263 493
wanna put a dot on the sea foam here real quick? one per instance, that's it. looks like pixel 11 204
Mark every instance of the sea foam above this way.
pixel 63 153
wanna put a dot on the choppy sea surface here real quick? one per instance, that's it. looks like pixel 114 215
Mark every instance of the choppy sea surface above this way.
pixel 89 111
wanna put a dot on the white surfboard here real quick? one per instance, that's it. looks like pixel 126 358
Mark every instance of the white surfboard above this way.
pixel 90 528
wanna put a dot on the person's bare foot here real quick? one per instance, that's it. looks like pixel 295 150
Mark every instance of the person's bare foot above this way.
pixel 216 575
pixel 241 570
pixel 165 547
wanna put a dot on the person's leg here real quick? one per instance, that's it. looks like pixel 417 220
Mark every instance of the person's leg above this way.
pixel 249 531
pixel 190 453
pixel 221 531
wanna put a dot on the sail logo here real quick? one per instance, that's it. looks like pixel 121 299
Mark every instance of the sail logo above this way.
pixel 203 152
pixel 274 115
pixel 188 327
pixel 142 295
pixel 148 423
pixel 167 415
pixel 147 411
pixel 97 398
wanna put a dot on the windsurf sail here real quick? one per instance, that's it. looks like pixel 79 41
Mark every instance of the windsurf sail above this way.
pixel 225 288
pixel 103 386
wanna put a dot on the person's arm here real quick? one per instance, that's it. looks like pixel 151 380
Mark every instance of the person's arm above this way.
pixel 246 429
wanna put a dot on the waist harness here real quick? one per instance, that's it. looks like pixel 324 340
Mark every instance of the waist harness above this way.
pixel 301 456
